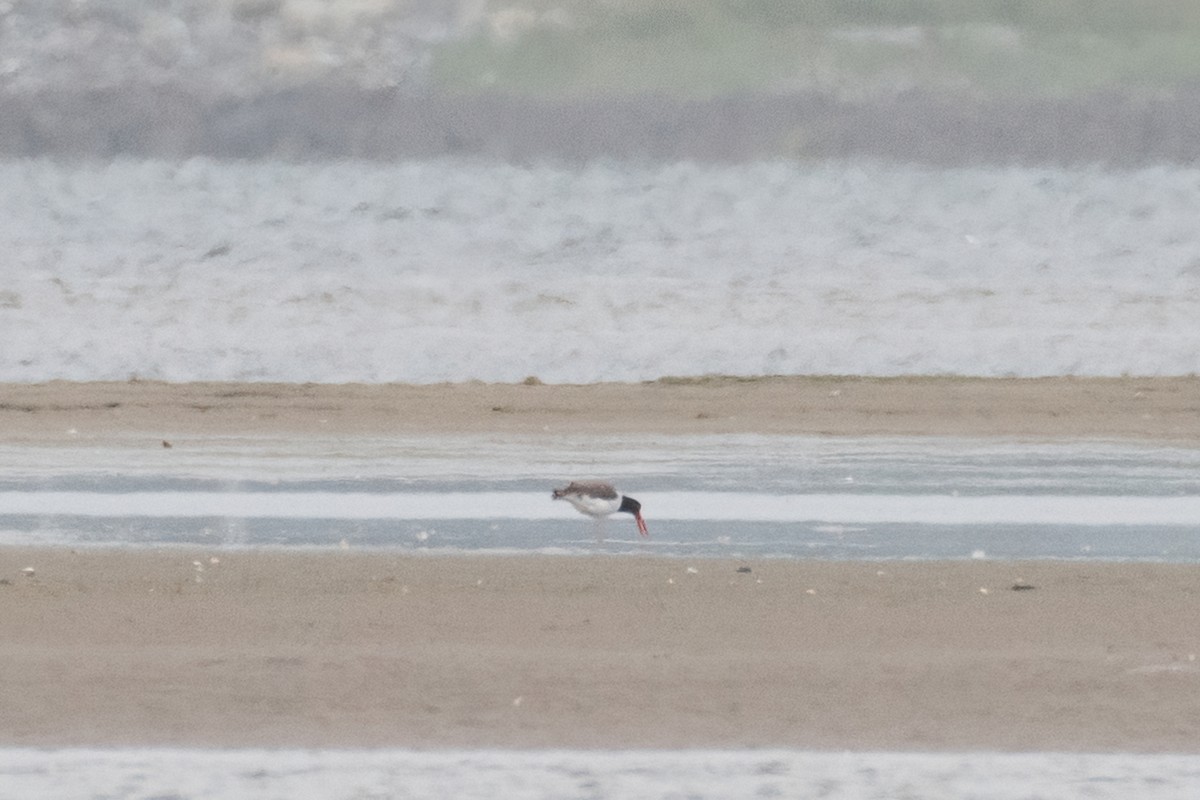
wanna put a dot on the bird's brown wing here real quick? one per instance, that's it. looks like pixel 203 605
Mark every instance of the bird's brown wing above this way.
pixel 604 491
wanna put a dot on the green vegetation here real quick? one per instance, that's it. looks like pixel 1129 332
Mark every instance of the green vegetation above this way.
pixel 851 48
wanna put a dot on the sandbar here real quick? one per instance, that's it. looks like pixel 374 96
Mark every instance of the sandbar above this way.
pixel 1124 408
pixel 271 648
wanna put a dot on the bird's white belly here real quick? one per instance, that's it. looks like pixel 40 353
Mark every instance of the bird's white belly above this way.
pixel 594 506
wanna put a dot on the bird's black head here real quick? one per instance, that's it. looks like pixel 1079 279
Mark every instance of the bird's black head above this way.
pixel 630 506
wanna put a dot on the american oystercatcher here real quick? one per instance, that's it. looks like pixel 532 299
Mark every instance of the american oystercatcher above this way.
pixel 598 500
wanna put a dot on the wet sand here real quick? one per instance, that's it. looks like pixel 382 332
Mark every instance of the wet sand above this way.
pixel 271 648
pixel 1149 408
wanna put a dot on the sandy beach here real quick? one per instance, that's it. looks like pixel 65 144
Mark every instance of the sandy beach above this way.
pixel 268 648
pixel 342 648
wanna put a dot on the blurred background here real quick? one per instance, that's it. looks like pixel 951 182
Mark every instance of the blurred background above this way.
pixel 597 190
pixel 936 81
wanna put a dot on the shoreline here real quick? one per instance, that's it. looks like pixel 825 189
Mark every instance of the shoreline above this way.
pixel 212 648
pixel 1154 409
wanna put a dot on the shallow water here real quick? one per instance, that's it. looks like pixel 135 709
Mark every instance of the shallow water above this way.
pixel 451 270
pixel 142 774
pixel 738 496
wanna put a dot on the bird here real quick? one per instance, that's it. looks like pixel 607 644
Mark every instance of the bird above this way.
pixel 598 500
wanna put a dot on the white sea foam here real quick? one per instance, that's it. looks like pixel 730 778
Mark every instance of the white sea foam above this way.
pixel 456 270
pixel 540 775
